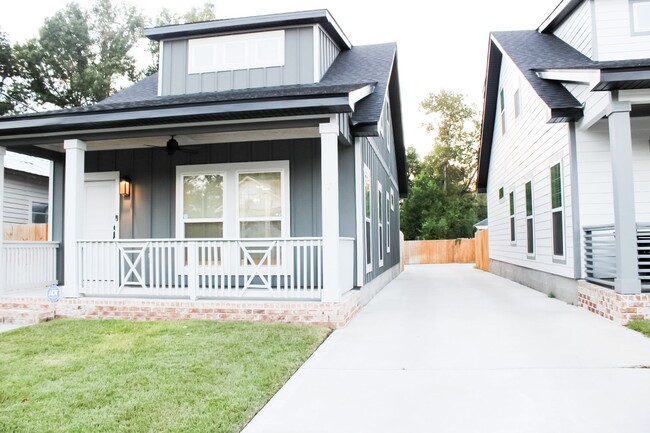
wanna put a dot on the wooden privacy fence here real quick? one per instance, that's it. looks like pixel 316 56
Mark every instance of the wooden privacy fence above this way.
pixel 439 251
pixel 482 254
pixel 448 251
pixel 25 232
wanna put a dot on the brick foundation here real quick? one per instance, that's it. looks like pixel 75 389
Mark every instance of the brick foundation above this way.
pixel 611 305
pixel 35 309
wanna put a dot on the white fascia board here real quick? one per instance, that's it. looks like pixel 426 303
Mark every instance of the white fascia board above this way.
pixel 357 95
pixel 586 76
pixel 636 96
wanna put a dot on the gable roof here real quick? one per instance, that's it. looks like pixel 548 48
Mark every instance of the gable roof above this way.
pixel 533 52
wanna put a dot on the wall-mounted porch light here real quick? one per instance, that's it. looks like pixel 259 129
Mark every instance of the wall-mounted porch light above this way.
pixel 125 187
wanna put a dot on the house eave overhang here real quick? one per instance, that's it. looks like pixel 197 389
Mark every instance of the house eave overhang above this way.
pixel 561 11
pixel 490 93
pixel 234 25
pixel 70 122
pixel 602 79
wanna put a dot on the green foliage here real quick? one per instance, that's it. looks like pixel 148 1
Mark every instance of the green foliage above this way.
pixel 79 56
pixel 6 73
pixel 110 376
pixel 640 325
pixel 442 201
pixel 206 12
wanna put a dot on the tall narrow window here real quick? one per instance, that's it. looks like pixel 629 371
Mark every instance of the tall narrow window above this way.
pixel 557 210
pixel 517 104
pixel 368 202
pixel 388 222
pixel 380 224
pixel 513 237
pixel 530 234
pixel 502 102
pixel 203 206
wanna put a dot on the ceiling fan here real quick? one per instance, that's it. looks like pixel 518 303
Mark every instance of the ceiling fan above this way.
pixel 172 147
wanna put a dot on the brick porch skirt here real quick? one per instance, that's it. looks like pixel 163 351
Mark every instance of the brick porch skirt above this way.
pixel 611 305
pixel 34 309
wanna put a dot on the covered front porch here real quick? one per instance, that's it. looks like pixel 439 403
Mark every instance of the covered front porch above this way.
pixel 249 211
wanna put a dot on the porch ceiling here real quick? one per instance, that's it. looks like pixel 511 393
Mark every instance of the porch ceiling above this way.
pixel 185 133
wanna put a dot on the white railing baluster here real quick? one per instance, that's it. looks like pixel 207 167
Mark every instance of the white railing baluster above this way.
pixel 27 265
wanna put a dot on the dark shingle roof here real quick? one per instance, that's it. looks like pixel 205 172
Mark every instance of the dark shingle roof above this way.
pixel 352 69
pixel 531 52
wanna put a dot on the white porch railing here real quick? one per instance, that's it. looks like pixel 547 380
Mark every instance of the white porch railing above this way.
pixel 600 254
pixel 203 268
pixel 27 265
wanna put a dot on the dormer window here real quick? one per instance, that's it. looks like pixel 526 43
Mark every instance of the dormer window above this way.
pixel 233 52
pixel 640 15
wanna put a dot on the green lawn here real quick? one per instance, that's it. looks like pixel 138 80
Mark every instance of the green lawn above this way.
pixel 641 325
pixel 124 376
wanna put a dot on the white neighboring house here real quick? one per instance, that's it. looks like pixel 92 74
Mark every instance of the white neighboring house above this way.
pixel 565 155
pixel 26 189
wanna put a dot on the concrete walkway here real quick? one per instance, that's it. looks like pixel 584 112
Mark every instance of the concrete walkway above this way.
pixel 446 348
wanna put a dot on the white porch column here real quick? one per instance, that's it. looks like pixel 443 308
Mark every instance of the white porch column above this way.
pixel 329 167
pixel 620 143
pixel 72 212
pixel 3 152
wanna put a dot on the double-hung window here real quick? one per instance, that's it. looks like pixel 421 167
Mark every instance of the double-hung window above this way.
pixel 380 224
pixel 640 16
pixel 557 210
pixel 239 200
pixel 388 212
pixel 39 212
pixel 367 186
pixel 513 232
pixel 530 233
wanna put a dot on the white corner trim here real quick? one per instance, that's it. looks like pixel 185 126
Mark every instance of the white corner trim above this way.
pixel 357 95
pixel 160 66
pixel 317 53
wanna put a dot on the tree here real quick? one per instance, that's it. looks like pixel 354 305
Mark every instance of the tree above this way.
pixel 6 73
pixel 442 201
pixel 79 56
pixel 206 12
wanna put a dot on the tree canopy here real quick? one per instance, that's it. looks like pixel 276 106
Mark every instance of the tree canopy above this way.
pixel 81 56
pixel 442 201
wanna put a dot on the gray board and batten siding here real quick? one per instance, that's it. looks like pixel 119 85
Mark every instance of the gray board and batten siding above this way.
pixel 150 211
pixel 298 68
pixel 383 168
pixel 21 190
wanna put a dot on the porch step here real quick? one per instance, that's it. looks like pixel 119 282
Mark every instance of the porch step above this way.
pixel 23 316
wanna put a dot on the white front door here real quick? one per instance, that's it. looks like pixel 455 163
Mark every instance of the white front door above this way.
pixel 101 213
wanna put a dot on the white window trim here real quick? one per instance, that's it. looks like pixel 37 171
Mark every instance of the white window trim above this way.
pixel 380 224
pixel 31 210
pixel 530 217
pixel 388 211
pixel 512 218
pixel 367 219
pixel 633 16
pixel 556 257
pixel 230 173
pixel 502 110
pixel 217 43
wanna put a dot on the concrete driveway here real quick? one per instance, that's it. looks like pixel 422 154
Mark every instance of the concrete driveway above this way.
pixel 446 348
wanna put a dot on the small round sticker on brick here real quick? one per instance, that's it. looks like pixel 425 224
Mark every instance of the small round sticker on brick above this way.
pixel 53 293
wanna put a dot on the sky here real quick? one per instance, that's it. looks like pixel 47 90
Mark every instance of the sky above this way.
pixel 440 44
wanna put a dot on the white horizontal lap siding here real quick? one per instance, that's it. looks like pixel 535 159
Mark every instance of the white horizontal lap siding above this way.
pixel 614 32
pixel 595 172
pixel 576 29
pixel 526 152
pixel 19 194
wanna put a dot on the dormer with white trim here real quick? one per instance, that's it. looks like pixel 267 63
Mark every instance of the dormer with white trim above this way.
pixel 245 53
